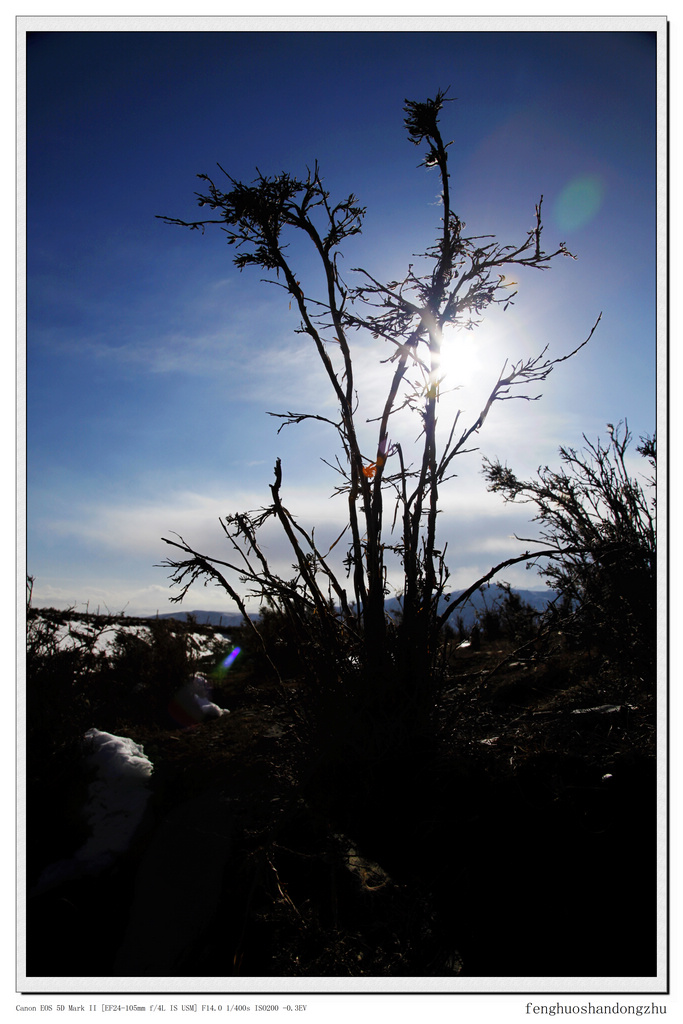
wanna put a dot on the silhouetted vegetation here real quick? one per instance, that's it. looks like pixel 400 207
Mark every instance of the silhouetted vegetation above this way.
pixel 535 799
pixel 602 519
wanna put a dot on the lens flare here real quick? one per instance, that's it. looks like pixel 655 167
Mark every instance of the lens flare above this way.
pixel 227 662
pixel 579 202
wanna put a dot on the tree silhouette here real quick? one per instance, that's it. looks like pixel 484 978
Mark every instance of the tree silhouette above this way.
pixel 346 640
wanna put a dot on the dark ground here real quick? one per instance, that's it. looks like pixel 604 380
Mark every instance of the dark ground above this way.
pixel 520 842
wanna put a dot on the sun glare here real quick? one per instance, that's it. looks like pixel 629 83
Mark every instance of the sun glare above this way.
pixel 462 360
pixel 471 361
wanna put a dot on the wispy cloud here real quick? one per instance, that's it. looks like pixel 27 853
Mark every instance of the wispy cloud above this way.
pixel 110 539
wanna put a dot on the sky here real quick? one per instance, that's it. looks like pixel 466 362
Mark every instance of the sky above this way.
pixel 151 362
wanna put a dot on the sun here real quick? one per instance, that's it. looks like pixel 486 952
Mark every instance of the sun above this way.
pixel 462 363
pixel 472 360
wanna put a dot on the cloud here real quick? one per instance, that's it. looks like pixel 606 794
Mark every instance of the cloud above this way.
pixel 124 538
pixel 110 545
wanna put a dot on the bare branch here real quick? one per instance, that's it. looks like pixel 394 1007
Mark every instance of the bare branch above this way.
pixel 451 283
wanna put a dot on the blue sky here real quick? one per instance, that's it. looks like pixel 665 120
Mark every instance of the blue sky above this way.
pixel 151 362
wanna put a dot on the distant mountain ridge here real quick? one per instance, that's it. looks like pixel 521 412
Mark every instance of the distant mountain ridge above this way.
pixel 204 618
pixel 538 599
pixel 480 600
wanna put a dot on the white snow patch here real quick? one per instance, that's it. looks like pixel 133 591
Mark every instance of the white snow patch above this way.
pixel 202 644
pixel 75 634
pixel 191 703
pixel 117 799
